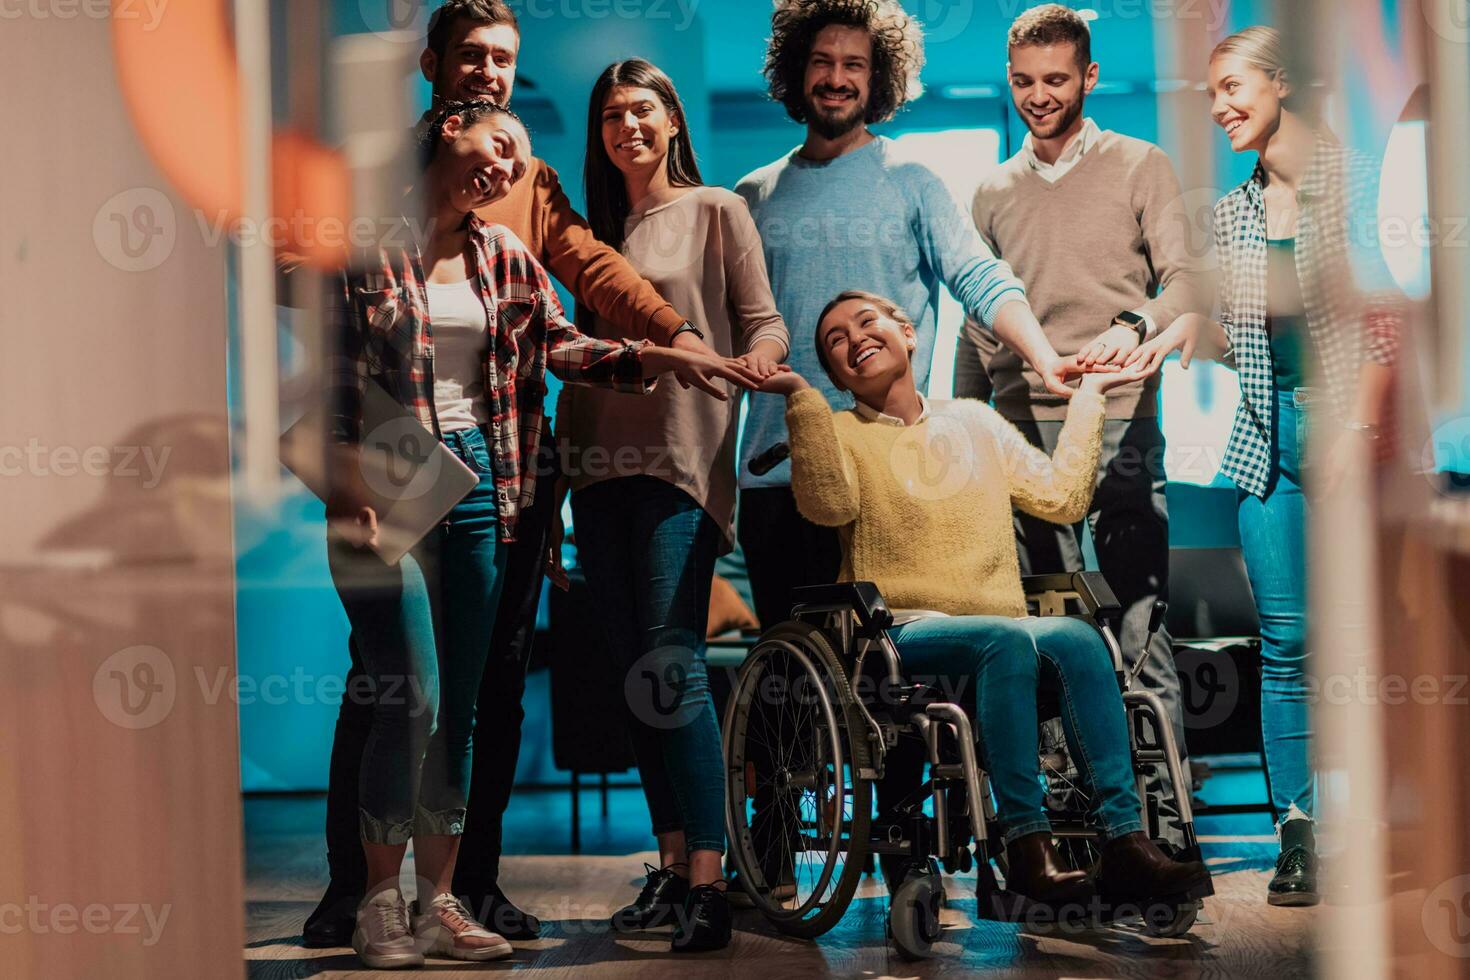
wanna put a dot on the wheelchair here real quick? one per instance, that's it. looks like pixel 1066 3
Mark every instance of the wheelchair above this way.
pixel 819 708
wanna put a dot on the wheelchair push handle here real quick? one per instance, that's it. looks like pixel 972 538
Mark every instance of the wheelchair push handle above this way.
pixel 1155 623
pixel 763 462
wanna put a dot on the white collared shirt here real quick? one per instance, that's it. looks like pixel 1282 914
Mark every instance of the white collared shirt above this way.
pixel 873 415
pixel 1085 140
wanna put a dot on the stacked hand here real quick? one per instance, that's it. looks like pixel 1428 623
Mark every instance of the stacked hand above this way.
pixel 697 365
pixel 1098 376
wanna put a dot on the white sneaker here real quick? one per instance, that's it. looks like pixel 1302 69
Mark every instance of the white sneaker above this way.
pixel 448 929
pixel 382 938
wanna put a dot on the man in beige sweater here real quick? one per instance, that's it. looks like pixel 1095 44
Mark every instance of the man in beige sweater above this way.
pixel 1091 222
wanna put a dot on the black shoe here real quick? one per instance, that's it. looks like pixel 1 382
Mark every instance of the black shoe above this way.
pixel 1295 881
pixel 500 915
pixel 333 920
pixel 704 922
pixel 1132 870
pixel 662 896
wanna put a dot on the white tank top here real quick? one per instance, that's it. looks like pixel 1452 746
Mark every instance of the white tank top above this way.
pixel 457 319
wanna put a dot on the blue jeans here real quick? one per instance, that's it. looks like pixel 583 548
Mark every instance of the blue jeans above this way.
pixel 1009 661
pixel 423 629
pixel 649 554
pixel 1273 543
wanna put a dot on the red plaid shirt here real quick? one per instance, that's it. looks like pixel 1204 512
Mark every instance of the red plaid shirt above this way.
pixel 380 322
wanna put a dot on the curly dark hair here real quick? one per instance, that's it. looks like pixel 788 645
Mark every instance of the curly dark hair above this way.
pixel 470 112
pixel 898 51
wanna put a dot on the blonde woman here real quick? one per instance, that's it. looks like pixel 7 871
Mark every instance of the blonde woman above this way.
pixel 1310 321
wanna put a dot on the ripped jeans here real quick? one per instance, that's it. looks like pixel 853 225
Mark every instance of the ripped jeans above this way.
pixel 423 628
pixel 1006 662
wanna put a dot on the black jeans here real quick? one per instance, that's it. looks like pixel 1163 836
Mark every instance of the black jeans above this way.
pixel 783 551
pixel 498 717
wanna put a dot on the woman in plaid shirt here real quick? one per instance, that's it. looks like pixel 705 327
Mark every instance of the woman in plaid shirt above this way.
pixel 460 326
pixel 1309 318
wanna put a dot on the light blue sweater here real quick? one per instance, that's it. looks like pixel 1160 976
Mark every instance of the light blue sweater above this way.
pixel 865 220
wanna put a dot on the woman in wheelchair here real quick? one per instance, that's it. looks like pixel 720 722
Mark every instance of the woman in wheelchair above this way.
pixel 921 493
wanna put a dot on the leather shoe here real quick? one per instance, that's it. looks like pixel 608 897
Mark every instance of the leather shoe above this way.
pixel 662 896
pixel 1132 869
pixel 332 922
pixel 1295 881
pixel 1035 869
pixel 704 922
pixel 500 915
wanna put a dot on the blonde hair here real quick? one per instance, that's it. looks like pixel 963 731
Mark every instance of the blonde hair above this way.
pixel 1259 46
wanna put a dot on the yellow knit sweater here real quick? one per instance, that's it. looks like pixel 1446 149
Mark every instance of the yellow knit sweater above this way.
pixel 924 511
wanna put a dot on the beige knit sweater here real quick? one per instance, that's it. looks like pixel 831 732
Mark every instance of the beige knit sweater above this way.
pixel 924 511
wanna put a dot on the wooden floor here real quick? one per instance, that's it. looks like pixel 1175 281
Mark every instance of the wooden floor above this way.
pixel 1238 934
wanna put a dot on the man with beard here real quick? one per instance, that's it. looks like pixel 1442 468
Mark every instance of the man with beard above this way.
pixel 1093 224
pixel 843 212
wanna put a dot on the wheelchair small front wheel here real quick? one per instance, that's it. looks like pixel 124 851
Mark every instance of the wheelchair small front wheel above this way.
pixel 913 916
pixel 1170 921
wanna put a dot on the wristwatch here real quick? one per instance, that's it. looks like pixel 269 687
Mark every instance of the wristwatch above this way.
pixel 687 328
pixel 1130 319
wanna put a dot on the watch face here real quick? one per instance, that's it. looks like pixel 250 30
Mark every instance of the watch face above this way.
pixel 1132 319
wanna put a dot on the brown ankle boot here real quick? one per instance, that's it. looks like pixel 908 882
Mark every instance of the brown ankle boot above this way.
pixel 1037 871
pixel 1132 869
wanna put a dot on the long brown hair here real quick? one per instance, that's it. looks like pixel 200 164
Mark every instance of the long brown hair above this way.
pixel 607 193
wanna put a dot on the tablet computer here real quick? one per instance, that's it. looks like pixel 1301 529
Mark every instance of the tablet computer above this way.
pixel 412 479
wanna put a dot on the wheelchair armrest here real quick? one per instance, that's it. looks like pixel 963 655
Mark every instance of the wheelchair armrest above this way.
pixel 1090 588
pixel 863 598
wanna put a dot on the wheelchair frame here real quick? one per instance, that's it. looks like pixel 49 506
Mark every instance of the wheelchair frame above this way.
pixel 855 616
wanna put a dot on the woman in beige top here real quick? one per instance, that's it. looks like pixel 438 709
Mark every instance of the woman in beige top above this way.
pixel 653 479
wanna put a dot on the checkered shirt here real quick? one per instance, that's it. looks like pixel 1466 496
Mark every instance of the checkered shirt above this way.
pixel 1353 309
pixel 379 322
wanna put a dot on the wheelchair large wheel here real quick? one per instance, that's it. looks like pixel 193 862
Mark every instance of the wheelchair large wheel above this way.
pixel 798 809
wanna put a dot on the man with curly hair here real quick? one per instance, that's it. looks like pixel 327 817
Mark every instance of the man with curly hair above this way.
pixel 843 212
pixel 1092 221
